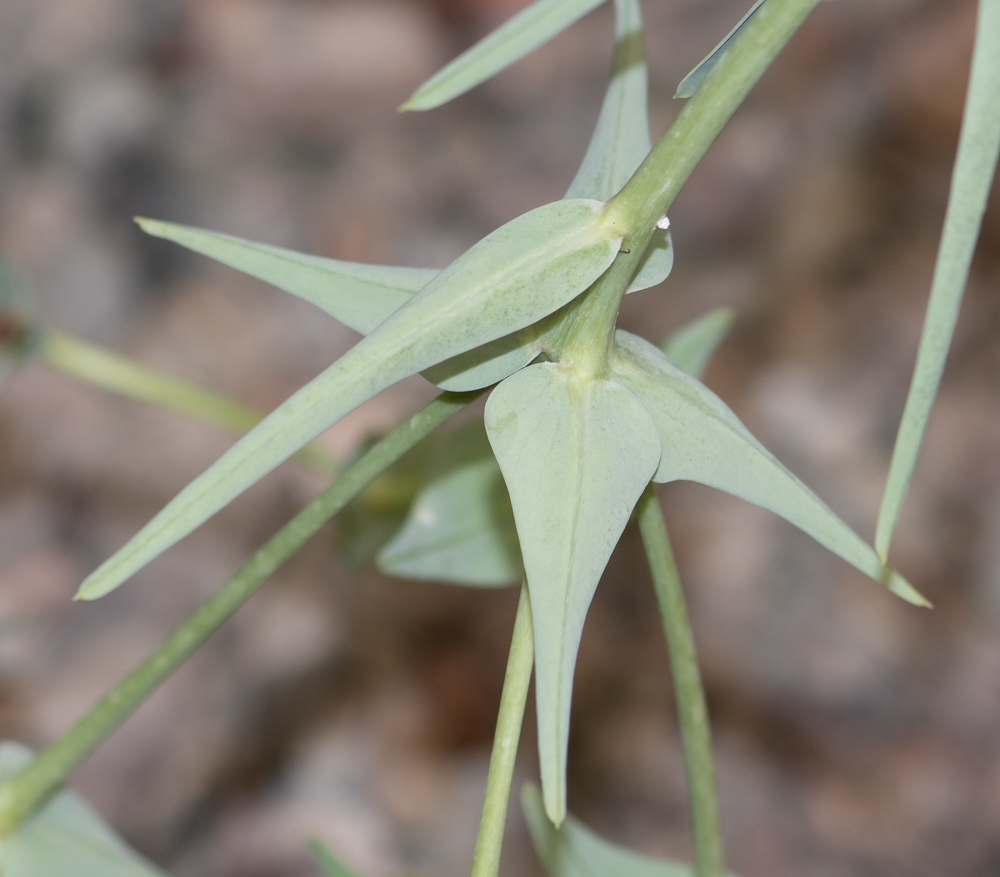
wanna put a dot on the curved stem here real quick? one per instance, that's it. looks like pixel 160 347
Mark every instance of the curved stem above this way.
pixel 486 858
pixel 117 374
pixel 21 795
pixel 692 710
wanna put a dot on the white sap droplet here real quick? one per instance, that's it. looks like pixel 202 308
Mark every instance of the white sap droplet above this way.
pixel 663 222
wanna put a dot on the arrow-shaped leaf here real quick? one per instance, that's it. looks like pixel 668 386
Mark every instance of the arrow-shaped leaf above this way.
pixel 703 441
pixel 66 838
pixel 512 278
pixel 576 455
pixel 515 38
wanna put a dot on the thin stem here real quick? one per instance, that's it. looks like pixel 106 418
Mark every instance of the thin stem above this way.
pixel 117 374
pixel 486 859
pixel 26 791
pixel 692 710
pixel 652 189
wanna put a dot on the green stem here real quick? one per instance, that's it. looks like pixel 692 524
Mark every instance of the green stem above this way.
pixel 109 371
pixel 25 792
pixel 486 858
pixel 653 187
pixel 691 707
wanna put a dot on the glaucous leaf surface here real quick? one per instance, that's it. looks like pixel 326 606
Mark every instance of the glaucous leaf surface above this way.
pixel 330 865
pixel 460 528
pixel 703 441
pixel 975 165
pixel 689 84
pixel 621 138
pixel 573 850
pixel 66 838
pixel 576 455
pixel 360 296
pixel 512 278
pixel 431 535
pixel 515 38
pixel 691 347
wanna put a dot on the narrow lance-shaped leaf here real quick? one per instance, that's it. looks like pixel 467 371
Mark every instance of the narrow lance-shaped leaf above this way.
pixel 691 347
pixel 576 455
pixel 66 838
pixel 975 165
pixel 460 528
pixel 703 441
pixel 512 278
pixel 621 138
pixel 573 850
pixel 515 38
pixel 360 296
pixel 689 84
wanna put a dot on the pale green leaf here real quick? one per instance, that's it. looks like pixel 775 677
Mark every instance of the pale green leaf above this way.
pixel 460 528
pixel 702 440
pixel 621 138
pixel 360 296
pixel 975 165
pixel 512 278
pixel 515 38
pixel 573 850
pixel 576 455
pixel 689 84
pixel 691 347
pixel 66 838
pixel 328 862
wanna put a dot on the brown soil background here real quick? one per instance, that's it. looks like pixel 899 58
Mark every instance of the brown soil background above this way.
pixel 856 736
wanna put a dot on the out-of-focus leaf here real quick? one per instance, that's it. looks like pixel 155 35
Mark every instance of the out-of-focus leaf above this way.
pixel 460 528
pixel 360 296
pixel 66 838
pixel 328 862
pixel 691 347
pixel 573 850
pixel 18 335
pixel 515 38
pixel 689 84
pixel 703 441
pixel 975 165
pixel 514 277
pixel 576 455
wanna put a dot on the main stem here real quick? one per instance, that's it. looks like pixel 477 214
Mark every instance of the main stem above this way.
pixel 691 707
pixel 25 792
pixel 652 189
pixel 486 858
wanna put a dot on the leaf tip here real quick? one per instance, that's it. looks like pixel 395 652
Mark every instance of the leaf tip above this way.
pixel 903 589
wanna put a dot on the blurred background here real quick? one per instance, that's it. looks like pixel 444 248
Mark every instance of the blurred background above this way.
pixel 856 736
